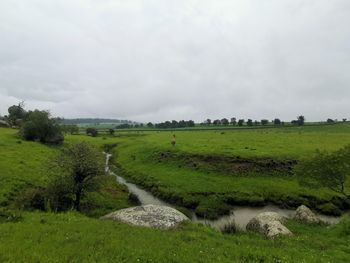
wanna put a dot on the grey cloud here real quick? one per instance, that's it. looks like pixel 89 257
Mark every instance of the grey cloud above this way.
pixel 157 60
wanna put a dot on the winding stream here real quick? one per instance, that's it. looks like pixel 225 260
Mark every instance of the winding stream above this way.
pixel 240 215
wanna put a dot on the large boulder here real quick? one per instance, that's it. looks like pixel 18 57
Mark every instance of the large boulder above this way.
pixel 269 224
pixel 305 215
pixel 155 216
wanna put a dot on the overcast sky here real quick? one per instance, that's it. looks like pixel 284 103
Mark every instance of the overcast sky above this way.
pixel 177 59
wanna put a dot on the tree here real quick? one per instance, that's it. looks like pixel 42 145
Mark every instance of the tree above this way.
pixel 329 120
pixel 16 114
pixel 150 125
pixel 301 120
pixel 208 122
pixel 240 122
pixel 326 169
pixel 256 123
pixel 216 122
pixel 224 121
pixel 250 122
pixel 38 126
pixel 277 121
pixel 111 132
pixel 75 167
pixel 92 132
pixel 264 122
pixel 344 119
pixel 233 121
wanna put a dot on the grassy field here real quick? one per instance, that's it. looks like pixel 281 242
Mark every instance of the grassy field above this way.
pixel 23 166
pixel 46 237
pixel 210 189
pixel 185 175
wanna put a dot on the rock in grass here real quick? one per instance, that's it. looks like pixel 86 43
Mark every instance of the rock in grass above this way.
pixel 303 214
pixel 269 224
pixel 155 216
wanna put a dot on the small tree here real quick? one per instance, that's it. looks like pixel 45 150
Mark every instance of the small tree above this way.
pixel 240 122
pixel 208 122
pixel 92 132
pixel 216 122
pixel 301 120
pixel 16 114
pixel 111 132
pixel 250 122
pixel 233 121
pixel 264 122
pixel 326 170
pixel 74 168
pixel 277 121
pixel 150 125
pixel 329 120
pixel 344 119
pixel 224 121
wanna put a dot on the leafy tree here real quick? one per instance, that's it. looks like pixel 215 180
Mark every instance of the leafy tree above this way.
pixel 264 122
pixel 74 168
pixel 326 169
pixel 16 114
pixel 250 122
pixel 330 120
pixel 344 120
pixel 208 121
pixel 150 125
pixel 216 122
pixel 92 132
pixel 39 126
pixel 224 121
pixel 233 121
pixel 301 120
pixel 277 121
pixel 190 123
pixel 256 123
pixel 111 132
pixel 240 122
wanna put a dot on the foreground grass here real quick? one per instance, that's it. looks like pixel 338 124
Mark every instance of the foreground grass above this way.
pixel 45 237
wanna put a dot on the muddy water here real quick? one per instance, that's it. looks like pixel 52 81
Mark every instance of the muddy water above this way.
pixel 240 215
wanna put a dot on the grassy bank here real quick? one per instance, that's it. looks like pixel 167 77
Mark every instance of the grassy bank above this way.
pixel 23 168
pixel 179 174
pixel 74 238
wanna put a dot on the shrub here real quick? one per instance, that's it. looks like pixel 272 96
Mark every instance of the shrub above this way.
pixel 326 170
pixel 38 126
pixel 92 132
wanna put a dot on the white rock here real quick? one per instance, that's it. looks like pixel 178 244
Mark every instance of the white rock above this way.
pixel 305 215
pixel 155 216
pixel 269 224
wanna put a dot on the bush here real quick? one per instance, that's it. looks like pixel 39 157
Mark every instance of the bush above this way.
pixel 38 126
pixel 326 169
pixel 92 132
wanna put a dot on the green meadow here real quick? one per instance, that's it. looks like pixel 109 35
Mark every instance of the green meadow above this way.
pixel 199 173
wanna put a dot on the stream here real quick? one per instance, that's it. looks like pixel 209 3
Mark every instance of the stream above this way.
pixel 240 215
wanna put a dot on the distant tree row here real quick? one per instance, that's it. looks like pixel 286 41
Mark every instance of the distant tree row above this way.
pixel 249 122
pixel 172 124
pixel 241 122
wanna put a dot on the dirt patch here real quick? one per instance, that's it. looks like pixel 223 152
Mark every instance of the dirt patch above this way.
pixel 229 164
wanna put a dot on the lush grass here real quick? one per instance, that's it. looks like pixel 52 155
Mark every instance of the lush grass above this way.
pixel 192 184
pixel 23 166
pixel 71 237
